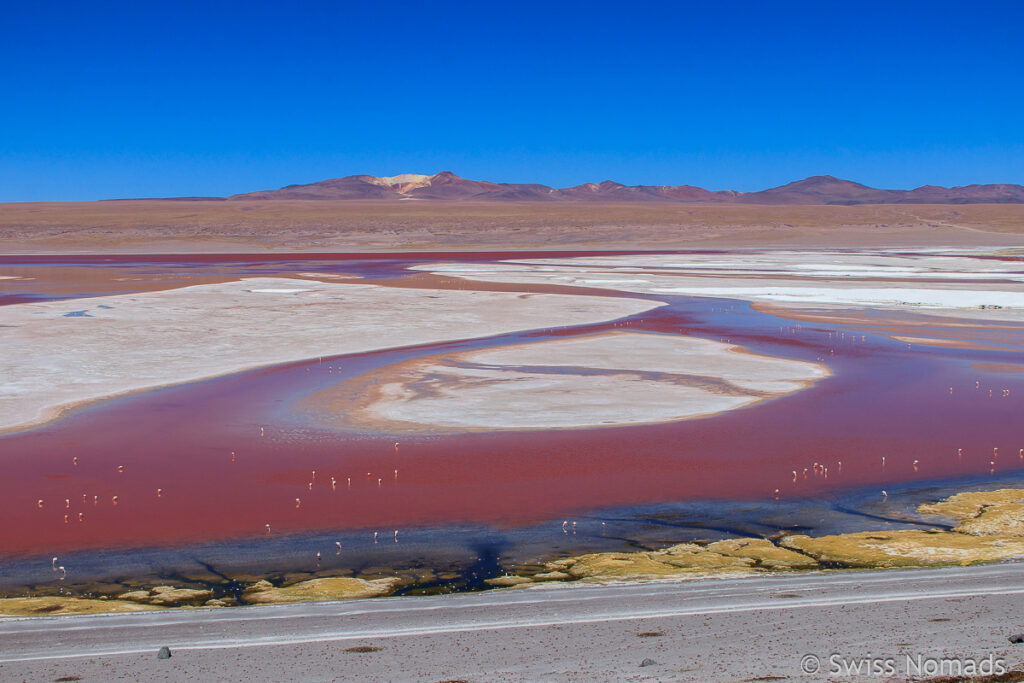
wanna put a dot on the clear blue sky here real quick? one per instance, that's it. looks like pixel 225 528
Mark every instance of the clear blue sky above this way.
pixel 102 100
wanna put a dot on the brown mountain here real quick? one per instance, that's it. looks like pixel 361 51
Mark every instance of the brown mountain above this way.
pixel 446 186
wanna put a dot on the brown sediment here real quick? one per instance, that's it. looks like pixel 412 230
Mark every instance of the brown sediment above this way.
pixel 949 332
pixel 161 226
pixel 1000 368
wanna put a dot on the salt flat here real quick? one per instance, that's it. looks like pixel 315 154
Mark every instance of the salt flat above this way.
pixel 613 378
pixel 55 355
pixel 938 282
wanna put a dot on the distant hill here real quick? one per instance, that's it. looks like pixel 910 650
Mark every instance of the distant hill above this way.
pixel 447 186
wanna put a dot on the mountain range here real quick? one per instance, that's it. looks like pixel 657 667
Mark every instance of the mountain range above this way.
pixel 447 186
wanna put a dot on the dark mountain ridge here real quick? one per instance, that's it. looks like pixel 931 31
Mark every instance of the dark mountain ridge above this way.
pixel 446 186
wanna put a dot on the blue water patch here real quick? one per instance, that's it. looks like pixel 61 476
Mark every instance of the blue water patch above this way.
pixel 78 314
pixel 104 306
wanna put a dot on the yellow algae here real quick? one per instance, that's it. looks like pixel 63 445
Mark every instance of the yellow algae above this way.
pixel 765 554
pixel 906 548
pixel 969 503
pixel 58 605
pixel 334 588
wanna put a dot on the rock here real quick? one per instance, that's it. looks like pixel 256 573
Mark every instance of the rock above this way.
pixel 504 581
pixel 906 548
pixel 164 653
pixel 551 576
pixel 648 662
pixel 1017 638
pixel 336 588
pixel 215 603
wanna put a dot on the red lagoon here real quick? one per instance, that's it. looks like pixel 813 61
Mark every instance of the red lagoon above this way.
pixel 225 458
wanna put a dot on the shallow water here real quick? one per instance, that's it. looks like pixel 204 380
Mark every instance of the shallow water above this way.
pixel 507 491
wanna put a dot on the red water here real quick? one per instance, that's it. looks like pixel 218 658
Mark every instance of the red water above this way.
pixel 884 400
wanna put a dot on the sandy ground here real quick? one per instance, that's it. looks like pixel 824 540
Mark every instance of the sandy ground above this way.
pixel 937 283
pixel 55 355
pixel 614 378
pixel 160 226
pixel 812 627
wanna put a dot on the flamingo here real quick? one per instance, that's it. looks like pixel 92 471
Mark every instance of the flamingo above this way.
pixel 232 456
pixel 396 535
pixel 396 447
pixel 915 465
pixel 114 500
pixel 81 516
pixel 261 431
pixel 159 493
pixel 53 563
pixel 268 529
pixel 314 475
pixel 337 543
pixel 74 461
pixel 63 572
pixel 66 520
pixel 67 503
pixel 298 503
pixel 380 483
pixel 374 536
pixel 350 482
pixel 120 468
pixel 565 527
pixel 776 494
pixel 396 474
pixel 885 494
pixel 334 484
pixel 39 503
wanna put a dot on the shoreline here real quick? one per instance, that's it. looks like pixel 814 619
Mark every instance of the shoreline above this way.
pixel 988 530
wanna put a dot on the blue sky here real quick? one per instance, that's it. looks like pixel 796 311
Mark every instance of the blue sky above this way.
pixel 103 100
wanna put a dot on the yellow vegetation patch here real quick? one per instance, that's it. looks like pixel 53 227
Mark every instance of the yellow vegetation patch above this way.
pixel 906 548
pixel 335 588
pixel 56 605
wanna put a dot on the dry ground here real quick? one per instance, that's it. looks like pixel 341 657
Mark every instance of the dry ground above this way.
pixel 165 226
